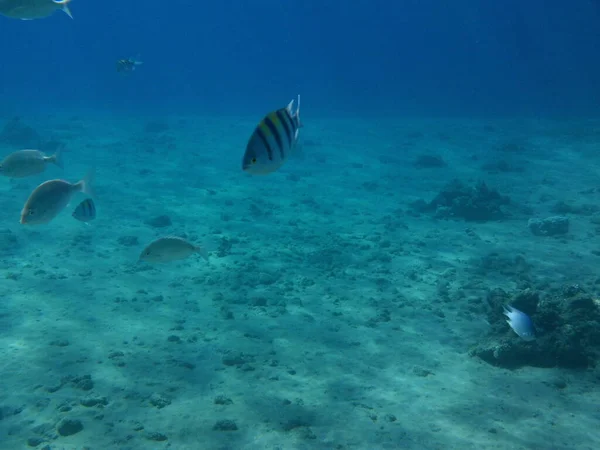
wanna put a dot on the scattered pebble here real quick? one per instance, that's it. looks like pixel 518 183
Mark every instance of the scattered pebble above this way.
pixel 156 436
pixel 94 401
pixel 222 400
pixel 159 401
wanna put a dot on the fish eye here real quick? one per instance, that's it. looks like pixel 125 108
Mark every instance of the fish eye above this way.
pixel 31 212
pixel 253 161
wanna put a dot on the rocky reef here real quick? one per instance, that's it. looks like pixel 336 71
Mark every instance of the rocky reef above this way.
pixel 477 203
pixel 567 330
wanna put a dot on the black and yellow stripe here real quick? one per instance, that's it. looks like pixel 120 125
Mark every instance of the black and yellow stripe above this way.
pixel 279 125
pixel 85 211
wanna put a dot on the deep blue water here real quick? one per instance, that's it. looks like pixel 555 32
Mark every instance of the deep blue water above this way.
pixel 425 57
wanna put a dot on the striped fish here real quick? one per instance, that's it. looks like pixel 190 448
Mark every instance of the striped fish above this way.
pixel 85 211
pixel 273 141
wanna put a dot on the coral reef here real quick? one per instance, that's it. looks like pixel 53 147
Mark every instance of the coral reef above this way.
pixel 478 203
pixel 567 328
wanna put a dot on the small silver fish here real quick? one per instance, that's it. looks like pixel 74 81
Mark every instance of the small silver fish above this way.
pixel 171 248
pixel 51 197
pixel 273 141
pixel 127 64
pixel 520 322
pixel 24 163
pixel 33 9
pixel 85 211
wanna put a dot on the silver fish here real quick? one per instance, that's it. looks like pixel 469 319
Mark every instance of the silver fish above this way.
pixel 520 322
pixel 170 248
pixel 127 64
pixel 24 163
pixel 33 9
pixel 273 141
pixel 51 197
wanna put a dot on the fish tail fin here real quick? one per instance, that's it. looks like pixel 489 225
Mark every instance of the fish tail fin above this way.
pixel 86 184
pixel 57 159
pixel 202 251
pixel 205 248
pixel 65 6
pixel 297 115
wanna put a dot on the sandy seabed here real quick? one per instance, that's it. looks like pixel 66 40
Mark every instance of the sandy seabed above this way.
pixel 330 315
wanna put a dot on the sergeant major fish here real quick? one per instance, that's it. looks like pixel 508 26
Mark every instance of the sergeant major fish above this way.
pixel 50 198
pixel 85 211
pixel 273 141
pixel 33 9
pixel 24 163
pixel 520 322
pixel 170 248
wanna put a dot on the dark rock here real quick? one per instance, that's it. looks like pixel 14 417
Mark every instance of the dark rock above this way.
pixel 159 401
pixel 501 166
pixel 68 427
pixel 236 359
pixel 551 226
pixel 156 436
pixel 34 441
pixel 429 162
pixel 222 400
pixel 94 401
pixel 161 221
pixel 225 425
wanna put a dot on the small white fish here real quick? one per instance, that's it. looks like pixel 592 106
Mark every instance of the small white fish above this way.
pixel 273 141
pixel 24 163
pixel 50 198
pixel 171 248
pixel 520 322
pixel 33 9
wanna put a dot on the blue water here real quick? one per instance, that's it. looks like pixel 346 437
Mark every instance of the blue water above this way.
pixel 447 168
pixel 363 57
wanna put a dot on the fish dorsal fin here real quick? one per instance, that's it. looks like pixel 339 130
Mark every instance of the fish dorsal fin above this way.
pixel 289 106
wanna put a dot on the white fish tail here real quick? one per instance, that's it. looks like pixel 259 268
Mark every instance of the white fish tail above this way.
pixel 57 159
pixel 86 184
pixel 65 6
pixel 205 248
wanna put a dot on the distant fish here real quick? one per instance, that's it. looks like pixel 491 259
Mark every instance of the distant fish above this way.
pixel 127 64
pixel 170 248
pixel 273 141
pixel 24 163
pixel 85 211
pixel 33 9
pixel 50 198
pixel 520 323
